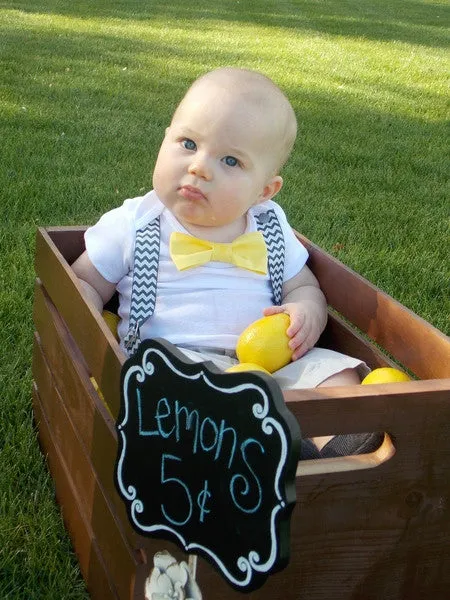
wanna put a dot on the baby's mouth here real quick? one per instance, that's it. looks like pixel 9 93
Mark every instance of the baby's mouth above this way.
pixel 191 193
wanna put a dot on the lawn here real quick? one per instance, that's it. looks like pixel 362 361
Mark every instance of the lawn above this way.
pixel 87 89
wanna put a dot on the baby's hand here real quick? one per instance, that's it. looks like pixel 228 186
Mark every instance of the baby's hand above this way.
pixel 304 329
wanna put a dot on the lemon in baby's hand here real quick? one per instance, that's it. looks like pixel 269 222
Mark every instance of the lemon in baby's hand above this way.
pixel 266 343
pixel 246 367
pixel 385 375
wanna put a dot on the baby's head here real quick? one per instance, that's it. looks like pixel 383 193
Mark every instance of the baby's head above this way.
pixel 261 103
pixel 228 138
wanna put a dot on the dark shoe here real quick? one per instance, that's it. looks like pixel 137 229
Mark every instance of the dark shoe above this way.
pixel 309 450
pixel 354 443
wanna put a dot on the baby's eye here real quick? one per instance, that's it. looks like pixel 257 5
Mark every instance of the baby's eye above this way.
pixel 189 144
pixel 230 161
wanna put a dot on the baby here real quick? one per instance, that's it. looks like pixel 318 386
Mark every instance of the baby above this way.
pixel 211 250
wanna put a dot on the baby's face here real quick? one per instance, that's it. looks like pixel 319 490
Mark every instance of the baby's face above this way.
pixel 216 159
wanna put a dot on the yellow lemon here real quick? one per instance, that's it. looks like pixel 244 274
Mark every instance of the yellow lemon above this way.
pixel 265 343
pixel 112 320
pixel 385 375
pixel 96 388
pixel 246 367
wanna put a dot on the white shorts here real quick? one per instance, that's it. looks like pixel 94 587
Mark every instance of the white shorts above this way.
pixel 309 371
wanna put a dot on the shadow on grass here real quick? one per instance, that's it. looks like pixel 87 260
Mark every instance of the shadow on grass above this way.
pixel 410 21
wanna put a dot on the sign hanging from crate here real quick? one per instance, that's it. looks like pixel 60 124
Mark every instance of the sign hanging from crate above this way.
pixel 208 460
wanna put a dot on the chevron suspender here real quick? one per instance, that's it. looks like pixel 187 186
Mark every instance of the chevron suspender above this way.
pixel 146 263
pixel 270 227
pixel 145 280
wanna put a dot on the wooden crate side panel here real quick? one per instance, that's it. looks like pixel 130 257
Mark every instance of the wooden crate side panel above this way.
pixel 91 334
pixel 116 552
pixel 339 336
pixel 415 343
pixel 93 423
pixel 91 563
pixel 380 533
pixel 384 530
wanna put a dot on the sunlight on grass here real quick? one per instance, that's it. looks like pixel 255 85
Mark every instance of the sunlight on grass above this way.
pixel 88 88
pixel 401 78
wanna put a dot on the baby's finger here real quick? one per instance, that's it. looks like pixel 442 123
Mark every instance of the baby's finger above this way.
pixel 298 339
pixel 300 351
pixel 273 310
pixel 295 325
pixel 302 348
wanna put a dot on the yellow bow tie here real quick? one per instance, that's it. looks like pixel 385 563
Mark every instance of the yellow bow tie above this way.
pixel 248 251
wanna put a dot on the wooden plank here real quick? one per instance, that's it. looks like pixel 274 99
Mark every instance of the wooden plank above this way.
pixel 372 562
pixel 399 408
pixel 412 341
pixel 368 531
pixel 89 557
pixel 68 240
pixel 96 342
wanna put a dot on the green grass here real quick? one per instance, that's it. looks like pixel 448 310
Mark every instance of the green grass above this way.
pixel 87 89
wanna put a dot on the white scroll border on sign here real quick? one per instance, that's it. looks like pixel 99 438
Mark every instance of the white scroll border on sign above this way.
pixel 245 564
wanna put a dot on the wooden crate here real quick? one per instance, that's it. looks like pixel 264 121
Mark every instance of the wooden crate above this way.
pixel 367 527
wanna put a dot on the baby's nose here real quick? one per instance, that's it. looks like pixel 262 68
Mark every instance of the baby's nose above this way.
pixel 200 167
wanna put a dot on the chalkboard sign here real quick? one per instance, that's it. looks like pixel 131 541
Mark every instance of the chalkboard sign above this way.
pixel 208 459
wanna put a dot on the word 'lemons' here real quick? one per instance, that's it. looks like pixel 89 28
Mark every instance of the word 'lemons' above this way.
pixel 266 343
pixel 246 367
pixel 385 375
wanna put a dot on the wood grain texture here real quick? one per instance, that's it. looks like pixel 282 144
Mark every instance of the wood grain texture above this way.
pixel 89 415
pixel 412 341
pixel 95 573
pixel 91 334
pixel 96 508
pixel 340 336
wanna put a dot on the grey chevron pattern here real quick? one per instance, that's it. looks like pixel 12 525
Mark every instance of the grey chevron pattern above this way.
pixel 270 227
pixel 145 280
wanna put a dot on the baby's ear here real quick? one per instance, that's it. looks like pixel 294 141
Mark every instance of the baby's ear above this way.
pixel 271 189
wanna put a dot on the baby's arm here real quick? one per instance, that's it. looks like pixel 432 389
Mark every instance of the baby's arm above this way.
pixel 305 303
pixel 95 287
